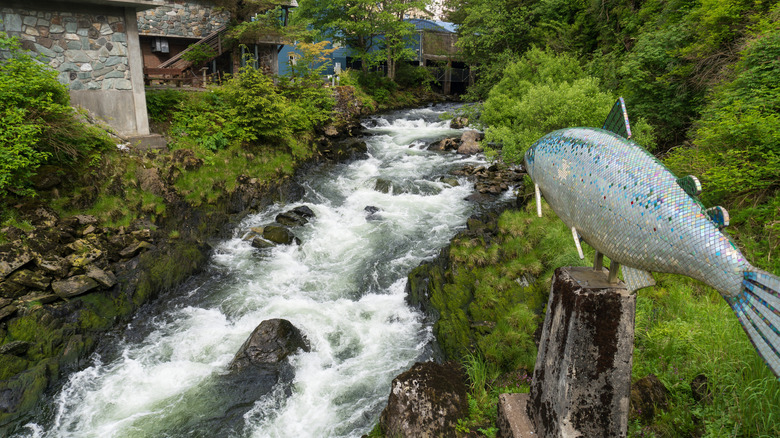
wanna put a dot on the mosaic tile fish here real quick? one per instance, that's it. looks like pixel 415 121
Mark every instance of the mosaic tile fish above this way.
pixel 627 205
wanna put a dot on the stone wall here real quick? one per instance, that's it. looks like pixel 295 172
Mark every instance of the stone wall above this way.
pixel 178 18
pixel 89 50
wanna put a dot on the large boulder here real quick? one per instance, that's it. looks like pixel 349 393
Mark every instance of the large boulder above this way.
pixel 426 401
pixel 270 343
pixel 469 143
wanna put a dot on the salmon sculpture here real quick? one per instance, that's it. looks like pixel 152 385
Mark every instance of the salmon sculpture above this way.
pixel 624 203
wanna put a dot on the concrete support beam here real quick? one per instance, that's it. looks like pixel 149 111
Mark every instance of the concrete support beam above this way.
pixel 136 64
pixel 582 378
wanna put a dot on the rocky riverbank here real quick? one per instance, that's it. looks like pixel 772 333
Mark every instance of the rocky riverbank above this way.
pixel 65 281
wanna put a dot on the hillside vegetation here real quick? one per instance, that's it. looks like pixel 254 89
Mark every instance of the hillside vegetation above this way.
pixel 700 81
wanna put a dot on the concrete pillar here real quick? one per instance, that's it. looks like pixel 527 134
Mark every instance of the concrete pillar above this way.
pixel 582 378
pixel 136 65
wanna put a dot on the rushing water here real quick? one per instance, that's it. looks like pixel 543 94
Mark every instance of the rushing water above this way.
pixel 343 287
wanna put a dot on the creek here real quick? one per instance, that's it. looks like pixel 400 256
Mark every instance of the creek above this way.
pixel 343 287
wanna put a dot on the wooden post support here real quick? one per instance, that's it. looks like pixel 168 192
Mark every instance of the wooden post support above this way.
pixel 582 378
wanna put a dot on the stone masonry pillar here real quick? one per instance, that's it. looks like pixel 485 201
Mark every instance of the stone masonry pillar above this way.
pixel 582 378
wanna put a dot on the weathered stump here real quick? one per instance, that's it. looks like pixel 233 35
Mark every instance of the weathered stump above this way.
pixel 582 377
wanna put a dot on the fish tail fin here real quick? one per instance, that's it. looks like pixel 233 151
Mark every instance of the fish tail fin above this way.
pixel 758 308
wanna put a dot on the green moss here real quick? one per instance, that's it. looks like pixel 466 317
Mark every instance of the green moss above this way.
pixel 11 365
pixel 39 328
pixel 101 311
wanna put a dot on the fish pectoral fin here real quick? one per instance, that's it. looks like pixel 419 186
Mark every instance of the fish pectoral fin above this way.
pixel 636 279
pixel 538 200
pixel 617 119
pixel 691 185
pixel 576 236
pixel 719 216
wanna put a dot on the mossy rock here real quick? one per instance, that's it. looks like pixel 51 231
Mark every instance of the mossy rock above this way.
pixel 278 234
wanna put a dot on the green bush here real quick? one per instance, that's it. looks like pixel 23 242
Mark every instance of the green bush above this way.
pixel 38 123
pixel 161 104
pixel 544 92
pixel 409 76
pixel 736 144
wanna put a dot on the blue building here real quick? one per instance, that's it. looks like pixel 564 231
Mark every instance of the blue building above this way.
pixel 434 47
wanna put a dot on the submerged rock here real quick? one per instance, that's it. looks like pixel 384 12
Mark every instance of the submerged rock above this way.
pixel 426 401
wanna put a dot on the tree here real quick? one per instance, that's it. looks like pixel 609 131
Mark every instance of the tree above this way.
pixel 374 31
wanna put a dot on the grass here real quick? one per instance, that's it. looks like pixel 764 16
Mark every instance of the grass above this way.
pixel 684 329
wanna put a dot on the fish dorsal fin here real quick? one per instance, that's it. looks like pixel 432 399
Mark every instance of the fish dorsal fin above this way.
pixel 719 216
pixel 636 278
pixel 617 119
pixel 691 185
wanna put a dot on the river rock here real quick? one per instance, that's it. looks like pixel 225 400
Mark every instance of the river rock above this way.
pixel 135 249
pixel 7 311
pixel 349 148
pixel 270 343
pixel 15 348
pixel 31 279
pixel 104 278
pixel 447 144
pixel 73 286
pixel 10 289
pixel 86 219
pixel 54 265
pixel 278 234
pixel 13 259
pixel 648 395
pixel 383 185
pixel 260 243
pixel 41 297
pixel 186 159
pixel 426 401
pixel 469 143
pixel 304 211
pixel 459 122
pixel 291 219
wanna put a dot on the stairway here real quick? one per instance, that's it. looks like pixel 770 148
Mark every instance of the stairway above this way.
pixel 212 40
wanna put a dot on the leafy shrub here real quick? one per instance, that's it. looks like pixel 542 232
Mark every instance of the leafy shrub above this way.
pixel 377 86
pixel 544 92
pixel 161 104
pixel 198 54
pixel 409 76
pixel 38 123
pixel 736 143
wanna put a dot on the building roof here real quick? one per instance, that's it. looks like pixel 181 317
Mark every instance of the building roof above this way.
pixel 137 4
pixel 433 25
